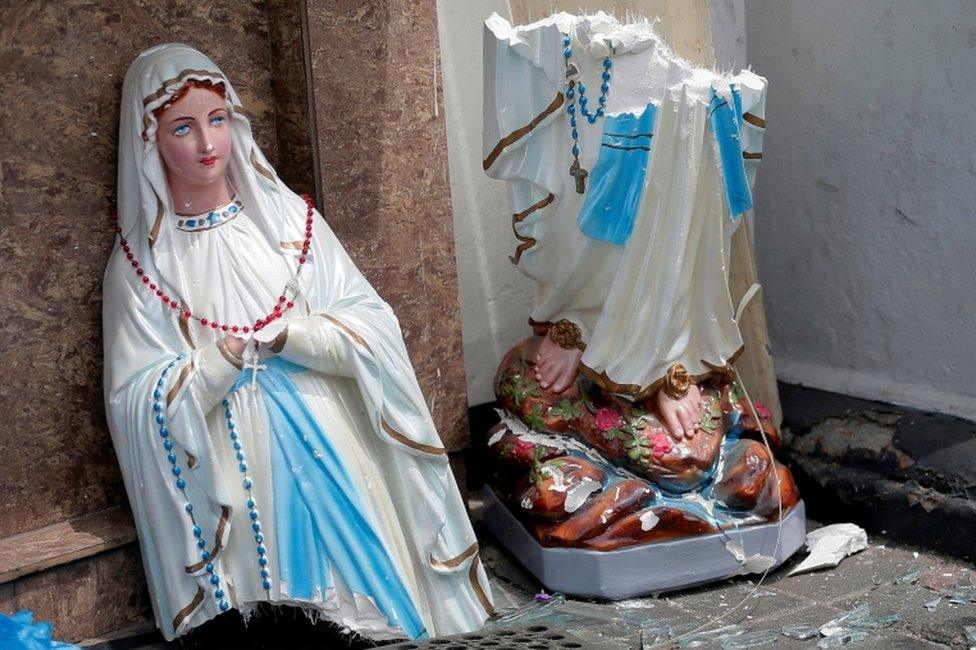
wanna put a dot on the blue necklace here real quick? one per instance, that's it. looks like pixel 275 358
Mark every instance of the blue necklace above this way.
pixel 576 170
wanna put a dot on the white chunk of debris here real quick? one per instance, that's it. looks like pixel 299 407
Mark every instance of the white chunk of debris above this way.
pixel 831 544
pixel 578 493
pixel 649 520
pixel 755 563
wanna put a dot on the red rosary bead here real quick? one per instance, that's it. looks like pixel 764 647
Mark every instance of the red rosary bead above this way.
pixel 187 314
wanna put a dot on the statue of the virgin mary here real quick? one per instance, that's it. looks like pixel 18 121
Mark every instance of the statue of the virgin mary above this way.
pixel 274 441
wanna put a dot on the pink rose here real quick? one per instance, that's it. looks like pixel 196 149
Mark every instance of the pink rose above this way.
pixel 763 412
pixel 606 419
pixel 523 448
pixel 662 443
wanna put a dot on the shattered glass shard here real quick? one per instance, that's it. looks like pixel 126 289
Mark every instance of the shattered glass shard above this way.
pixel 800 631
pixel 849 637
pixel 751 640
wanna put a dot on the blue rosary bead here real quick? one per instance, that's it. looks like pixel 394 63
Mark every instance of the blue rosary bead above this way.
pixel 180 483
pixel 263 561
pixel 160 382
pixel 591 118
pixel 205 555
pixel 265 573
pixel 571 109
pixel 607 63
pixel 259 538
pixel 230 424
pixel 218 594
pixel 215 580
pixel 576 150
pixel 237 445
pixel 157 394
pixel 251 504
pixel 197 531
pixel 583 101
pixel 240 456
pixel 157 407
pixel 163 431
pixel 201 543
pixel 570 93
pixel 567 39
pixel 262 550
pixel 604 87
pixel 572 122
pixel 168 444
pixel 171 457
pixel 266 584
pixel 253 515
pixel 177 471
pixel 224 606
pixel 256 527
pixel 568 52
pixel 606 77
pixel 210 567
pixel 247 484
pixel 160 419
pixel 188 507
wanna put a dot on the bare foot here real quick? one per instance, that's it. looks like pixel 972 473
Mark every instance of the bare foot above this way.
pixel 556 366
pixel 681 416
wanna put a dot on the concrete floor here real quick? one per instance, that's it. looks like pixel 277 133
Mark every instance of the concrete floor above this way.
pixel 871 577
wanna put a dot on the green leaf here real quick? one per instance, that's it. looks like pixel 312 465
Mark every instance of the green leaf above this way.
pixel 634 454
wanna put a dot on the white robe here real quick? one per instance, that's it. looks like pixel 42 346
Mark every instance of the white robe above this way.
pixel 662 297
pixel 350 370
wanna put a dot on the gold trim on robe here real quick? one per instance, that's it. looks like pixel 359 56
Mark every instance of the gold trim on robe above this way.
pixel 399 437
pixel 218 541
pixel 149 99
pixel 517 218
pixel 754 120
pixel 295 245
pixel 184 373
pixel 186 611
pixel 522 131
pixel 355 337
pixel 476 585
pixel 261 169
pixel 637 393
pixel 749 155
pixel 454 561
pixel 154 233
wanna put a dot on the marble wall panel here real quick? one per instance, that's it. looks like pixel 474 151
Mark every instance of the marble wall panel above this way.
pixel 382 155
pixel 61 70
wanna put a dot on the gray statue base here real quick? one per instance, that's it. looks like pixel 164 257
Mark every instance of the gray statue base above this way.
pixel 646 569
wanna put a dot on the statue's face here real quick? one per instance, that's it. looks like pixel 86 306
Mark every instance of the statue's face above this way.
pixel 194 138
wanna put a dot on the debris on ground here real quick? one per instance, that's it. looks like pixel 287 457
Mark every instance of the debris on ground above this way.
pixel 831 544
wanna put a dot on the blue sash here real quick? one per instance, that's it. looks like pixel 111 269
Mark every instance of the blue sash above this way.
pixel 319 520
pixel 617 180
pixel 726 118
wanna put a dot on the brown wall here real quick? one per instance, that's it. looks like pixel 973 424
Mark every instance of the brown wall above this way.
pixel 383 168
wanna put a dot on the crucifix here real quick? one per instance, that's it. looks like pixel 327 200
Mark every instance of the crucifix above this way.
pixel 577 171
pixel 253 362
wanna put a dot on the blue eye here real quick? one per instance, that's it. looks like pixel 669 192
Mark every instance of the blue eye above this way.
pixel 220 119
pixel 182 129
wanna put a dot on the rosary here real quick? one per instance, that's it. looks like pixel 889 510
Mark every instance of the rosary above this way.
pixel 572 76
pixel 285 300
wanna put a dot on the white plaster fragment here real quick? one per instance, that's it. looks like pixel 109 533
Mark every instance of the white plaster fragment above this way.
pixel 649 520
pixel 578 494
pixel 831 544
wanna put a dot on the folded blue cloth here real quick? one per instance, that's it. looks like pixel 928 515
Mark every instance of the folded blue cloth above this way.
pixel 20 632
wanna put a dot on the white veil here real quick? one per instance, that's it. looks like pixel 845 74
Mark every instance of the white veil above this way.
pixel 144 201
